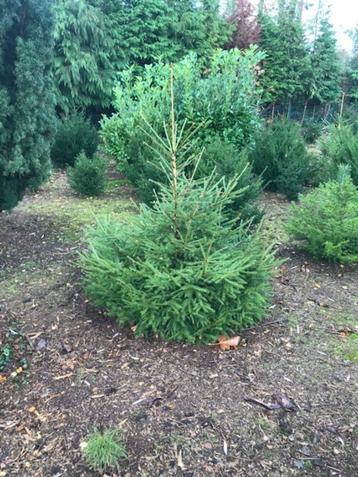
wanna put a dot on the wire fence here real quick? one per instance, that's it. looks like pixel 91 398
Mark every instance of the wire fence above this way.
pixel 302 111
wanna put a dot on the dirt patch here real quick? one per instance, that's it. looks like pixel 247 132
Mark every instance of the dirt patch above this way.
pixel 184 410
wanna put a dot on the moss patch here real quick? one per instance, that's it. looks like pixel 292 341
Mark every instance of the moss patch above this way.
pixel 74 214
pixel 348 348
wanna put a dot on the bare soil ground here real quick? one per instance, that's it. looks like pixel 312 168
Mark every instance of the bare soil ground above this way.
pixel 283 404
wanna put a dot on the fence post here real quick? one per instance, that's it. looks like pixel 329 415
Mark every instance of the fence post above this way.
pixel 304 112
pixel 342 105
pixel 273 112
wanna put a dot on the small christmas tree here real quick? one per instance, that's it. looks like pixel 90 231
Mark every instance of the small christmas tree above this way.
pixel 182 269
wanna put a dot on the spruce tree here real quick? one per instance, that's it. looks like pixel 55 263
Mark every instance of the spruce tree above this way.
pixel 26 96
pixel 325 69
pixel 181 269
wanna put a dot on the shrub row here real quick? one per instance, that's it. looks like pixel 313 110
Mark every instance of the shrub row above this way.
pixel 74 148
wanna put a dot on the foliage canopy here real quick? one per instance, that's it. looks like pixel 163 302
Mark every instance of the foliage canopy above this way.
pixel 26 96
pixel 221 99
pixel 280 156
pixel 326 221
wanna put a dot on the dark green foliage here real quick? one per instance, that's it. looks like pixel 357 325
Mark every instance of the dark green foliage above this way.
pixel 86 58
pixel 352 69
pixel 151 29
pixel 312 130
pixel 104 451
pixel 6 355
pixel 286 66
pixel 11 191
pixel 350 117
pixel 325 68
pixel 228 162
pixel 221 101
pixel 96 39
pixel 26 96
pixel 321 169
pixel 280 156
pixel 88 176
pixel 341 147
pixel 74 135
pixel 180 270
pixel 326 220
pixel 294 69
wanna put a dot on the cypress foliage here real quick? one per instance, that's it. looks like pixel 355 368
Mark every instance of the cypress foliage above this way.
pixel 86 56
pixel 280 156
pixel 96 39
pixel 26 96
pixel 352 73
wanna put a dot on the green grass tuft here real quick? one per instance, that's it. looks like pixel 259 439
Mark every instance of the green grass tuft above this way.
pixel 350 348
pixel 103 451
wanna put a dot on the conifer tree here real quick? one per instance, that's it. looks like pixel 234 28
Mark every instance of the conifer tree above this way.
pixel 86 56
pixel 96 39
pixel 182 269
pixel 287 63
pixel 353 68
pixel 325 68
pixel 26 96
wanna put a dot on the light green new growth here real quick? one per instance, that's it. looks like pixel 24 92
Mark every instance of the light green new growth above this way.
pixel 104 451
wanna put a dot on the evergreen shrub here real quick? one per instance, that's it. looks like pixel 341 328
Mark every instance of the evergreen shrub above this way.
pixel 321 168
pixel 182 270
pixel 74 135
pixel 223 157
pixel 221 99
pixel 88 175
pixel 27 102
pixel 281 157
pixel 341 147
pixel 326 220
pixel 311 130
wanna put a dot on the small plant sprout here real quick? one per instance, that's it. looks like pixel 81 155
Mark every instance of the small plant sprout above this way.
pixel 103 451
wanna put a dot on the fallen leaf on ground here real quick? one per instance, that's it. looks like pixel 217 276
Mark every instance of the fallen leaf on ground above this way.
pixel 226 343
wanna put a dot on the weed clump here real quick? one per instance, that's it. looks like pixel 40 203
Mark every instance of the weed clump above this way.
pixel 104 451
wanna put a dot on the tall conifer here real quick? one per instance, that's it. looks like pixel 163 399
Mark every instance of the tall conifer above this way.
pixel 26 95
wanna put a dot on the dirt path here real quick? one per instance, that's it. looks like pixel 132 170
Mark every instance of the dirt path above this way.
pixel 185 410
